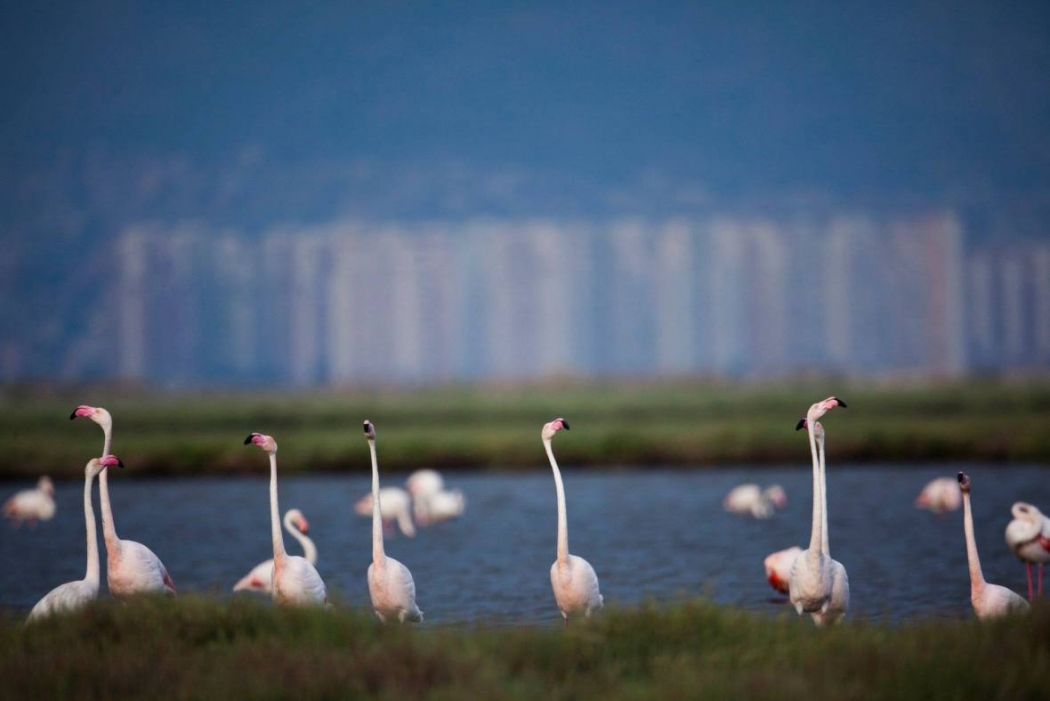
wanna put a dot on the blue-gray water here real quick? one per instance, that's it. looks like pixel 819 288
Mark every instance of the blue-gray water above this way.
pixel 650 533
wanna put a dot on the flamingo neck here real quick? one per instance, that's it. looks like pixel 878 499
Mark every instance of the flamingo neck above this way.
pixel 309 549
pixel 378 554
pixel 563 521
pixel 824 546
pixel 109 529
pixel 976 575
pixel 92 575
pixel 275 523
pixel 816 535
pixel 107 443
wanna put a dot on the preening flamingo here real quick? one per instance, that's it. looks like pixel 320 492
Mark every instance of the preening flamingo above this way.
pixel 573 579
pixel 261 577
pixel 431 502
pixel 32 505
pixel 295 581
pixel 1028 536
pixel 778 567
pixel 390 584
pixel 131 567
pixel 811 578
pixel 989 600
pixel 395 506
pixel 940 495
pixel 74 595
pixel 750 500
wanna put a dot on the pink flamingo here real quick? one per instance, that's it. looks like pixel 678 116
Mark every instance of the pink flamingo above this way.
pixel 1028 536
pixel 989 600
pixel 295 581
pixel 573 579
pixel 778 567
pixel 261 577
pixel 32 505
pixel 131 567
pixel 390 583
pixel 71 596
pixel 940 495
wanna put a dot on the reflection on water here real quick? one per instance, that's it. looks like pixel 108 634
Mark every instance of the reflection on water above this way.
pixel 650 533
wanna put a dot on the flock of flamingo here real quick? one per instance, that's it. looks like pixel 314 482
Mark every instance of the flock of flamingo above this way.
pixel 815 582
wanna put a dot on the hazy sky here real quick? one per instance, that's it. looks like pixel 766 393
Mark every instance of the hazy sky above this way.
pixel 582 102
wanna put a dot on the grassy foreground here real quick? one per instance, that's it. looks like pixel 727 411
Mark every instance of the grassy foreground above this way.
pixel 196 648
pixel 497 427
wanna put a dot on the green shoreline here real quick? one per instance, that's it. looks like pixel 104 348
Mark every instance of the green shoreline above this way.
pixel 687 422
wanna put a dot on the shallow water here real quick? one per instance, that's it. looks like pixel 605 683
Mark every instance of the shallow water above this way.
pixel 650 534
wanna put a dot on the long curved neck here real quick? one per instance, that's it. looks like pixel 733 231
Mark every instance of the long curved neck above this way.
pixel 92 537
pixel 109 529
pixel 275 522
pixel 563 521
pixel 824 547
pixel 378 554
pixel 976 575
pixel 107 443
pixel 309 549
pixel 816 535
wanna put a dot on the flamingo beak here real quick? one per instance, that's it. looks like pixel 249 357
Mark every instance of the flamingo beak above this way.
pixel 841 403
pixel 248 440
pixel 800 425
pixel 565 424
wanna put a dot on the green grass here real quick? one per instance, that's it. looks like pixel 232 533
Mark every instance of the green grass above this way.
pixel 194 648
pixel 497 427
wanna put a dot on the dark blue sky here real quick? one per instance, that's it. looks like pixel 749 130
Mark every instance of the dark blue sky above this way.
pixel 528 99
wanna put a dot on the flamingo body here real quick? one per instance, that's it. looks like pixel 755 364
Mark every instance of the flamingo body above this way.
pixel 778 567
pixel 575 585
pixel 940 496
pixel 134 569
pixel 32 505
pixel 395 505
pixel 1028 536
pixel 260 578
pixel 750 500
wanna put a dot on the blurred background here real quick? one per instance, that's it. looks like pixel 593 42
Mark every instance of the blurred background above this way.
pixel 318 194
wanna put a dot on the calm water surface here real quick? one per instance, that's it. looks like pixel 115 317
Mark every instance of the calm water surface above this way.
pixel 650 534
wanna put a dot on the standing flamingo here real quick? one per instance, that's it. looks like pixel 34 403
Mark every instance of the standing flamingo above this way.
pixel 390 583
pixel 750 500
pixel 431 502
pixel 75 595
pixel 1028 536
pixel 131 567
pixel 573 579
pixel 989 600
pixel 32 504
pixel 395 505
pixel 811 578
pixel 261 577
pixel 295 581
pixel 940 495
pixel 839 604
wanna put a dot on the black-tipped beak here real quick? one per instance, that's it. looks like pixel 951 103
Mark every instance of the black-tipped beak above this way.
pixel 73 415
pixel 565 424
pixel 800 425
pixel 841 403
pixel 248 440
pixel 120 464
pixel 961 477
pixel 366 427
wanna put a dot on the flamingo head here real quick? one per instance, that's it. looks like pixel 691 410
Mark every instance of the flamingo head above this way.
pixel 821 408
pixel 549 429
pixel 964 482
pixel 267 443
pixel 296 518
pixel 370 430
pixel 818 429
pixel 424 482
pixel 363 506
pixel 1026 512
pixel 776 495
pixel 95 413
pixel 97 465
pixel 45 485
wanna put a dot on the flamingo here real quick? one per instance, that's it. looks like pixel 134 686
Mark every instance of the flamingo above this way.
pixel 839 604
pixel 812 576
pixel 940 496
pixel 261 577
pixel 395 505
pixel 1028 536
pixel 989 600
pixel 573 579
pixel 390 583
pixel 431 502
pixel 32 504
pixel 295 581
pixel 750 500
pixel 778 567
pixel 131 567
pixel 71 596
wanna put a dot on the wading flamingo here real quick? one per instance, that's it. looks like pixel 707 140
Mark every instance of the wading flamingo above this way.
pixel 131 567
pixel 750 500
pixel 261 577
pixel 1028 536
pixel 989 600
pixel 839 604
pixel 573 579
pixel 778 567
pixel 390 584
pixel 811 578
pixel 74 595
pixel 431 502
pixel 32 505
pixel 295 581
pixel 940 496
pixel 395 505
